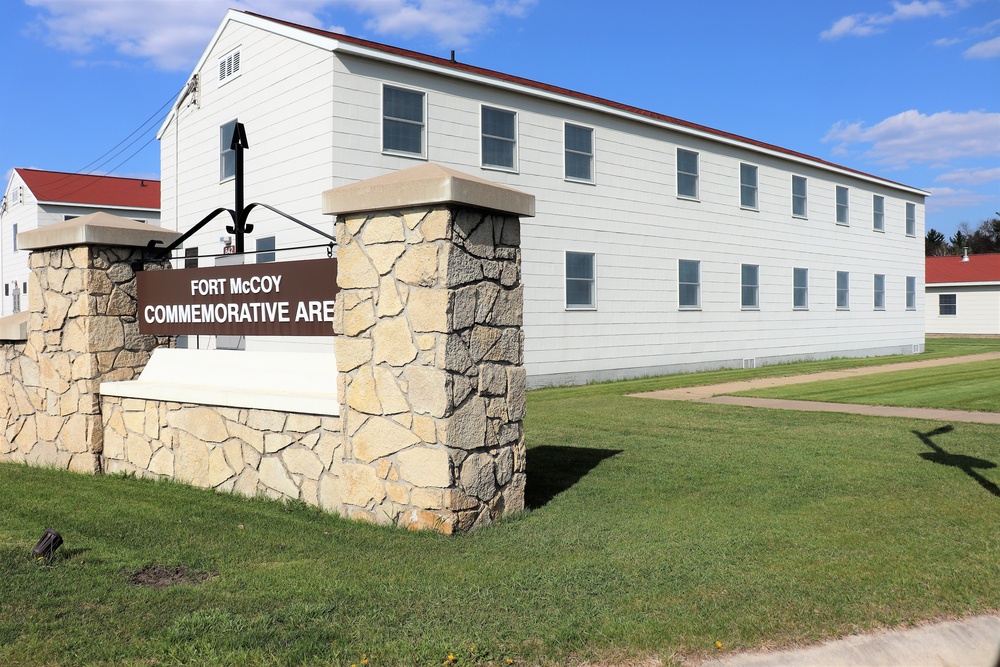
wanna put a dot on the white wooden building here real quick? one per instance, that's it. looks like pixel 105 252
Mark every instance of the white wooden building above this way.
pixel 35 198
pixel 963 295
pixel 659 245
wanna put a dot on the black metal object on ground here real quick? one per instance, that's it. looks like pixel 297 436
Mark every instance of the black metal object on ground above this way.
pixel 47 546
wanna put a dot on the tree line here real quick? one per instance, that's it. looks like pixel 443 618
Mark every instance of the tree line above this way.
pixel 985 238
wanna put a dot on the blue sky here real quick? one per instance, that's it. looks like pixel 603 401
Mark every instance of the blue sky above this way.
pixel 906 90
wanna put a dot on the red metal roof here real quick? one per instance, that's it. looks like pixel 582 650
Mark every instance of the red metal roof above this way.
pixel 500 76
pixel 951 269
pixel 67 188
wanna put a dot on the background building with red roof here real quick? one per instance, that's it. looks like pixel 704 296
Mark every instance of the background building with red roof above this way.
pixel 963 294
pixel 35 198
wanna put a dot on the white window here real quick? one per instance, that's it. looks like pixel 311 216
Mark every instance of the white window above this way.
pixel 14 237
pixel 947 304
pixel 911 219
pixel 687 174
pixel 227 154
pixel 799 197
pixel 265 249
pixel 800 289
pixel 749 286
pixel 843 210
pixel 579 144
pixel 403 121
pixel 879 291
pixel 911 292
pixel 581 278
pixel 229 66
pixel 499 128
pixel 748 186
pixel 843 290
pixel 689 283
pixel 191 258
pixel 878 213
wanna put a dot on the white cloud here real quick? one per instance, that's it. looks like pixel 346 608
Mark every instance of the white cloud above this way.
pixel 913 137
pixel 984 50
pixel 172 33
pixel 970 176
pixel 865 25
pixel 942 199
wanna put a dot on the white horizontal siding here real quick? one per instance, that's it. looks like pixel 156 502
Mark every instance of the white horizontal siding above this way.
pixel 977 310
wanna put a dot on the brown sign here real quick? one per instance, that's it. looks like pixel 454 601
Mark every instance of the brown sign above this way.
pixel 269 299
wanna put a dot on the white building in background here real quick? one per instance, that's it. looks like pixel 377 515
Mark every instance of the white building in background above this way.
pixel 963 295
pixel 659 245
pixel 35 198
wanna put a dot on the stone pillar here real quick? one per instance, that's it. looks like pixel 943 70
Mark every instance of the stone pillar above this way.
pixel 82 330
pixel 430 348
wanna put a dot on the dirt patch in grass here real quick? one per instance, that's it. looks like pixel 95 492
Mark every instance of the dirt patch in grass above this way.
pixel 161 576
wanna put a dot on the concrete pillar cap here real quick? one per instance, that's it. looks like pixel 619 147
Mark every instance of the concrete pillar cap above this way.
pixel 425 185
pixel 95 229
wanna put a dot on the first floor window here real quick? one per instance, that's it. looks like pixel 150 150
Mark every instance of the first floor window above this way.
pixel 499 138
pixel 689 283
pixel 799 201
pixel 580 278
pixel 879 291
pixel 265 249
pixel 947 304
pixel 911 292
pixel 227 154
pixel 579 152
pixel 911 219
pixel 800 289
pixel 402 121
pixel 191 258
pixel 843 208
pixel 843 290
pixel 748 186
pixel 878 213
pixel 687 174
pixel 750 286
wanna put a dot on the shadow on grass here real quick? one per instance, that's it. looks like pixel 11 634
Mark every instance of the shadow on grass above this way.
pixel 967 464
pixel 551 470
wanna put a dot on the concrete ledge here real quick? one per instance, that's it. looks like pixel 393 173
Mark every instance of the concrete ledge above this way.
pixel 95 229
pixel 15 327
pixel 424 185
pixel 284 381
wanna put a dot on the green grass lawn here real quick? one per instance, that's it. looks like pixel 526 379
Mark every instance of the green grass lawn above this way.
pixel 657 528
pixel 972 386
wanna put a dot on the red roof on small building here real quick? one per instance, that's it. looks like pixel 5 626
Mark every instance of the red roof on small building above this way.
pixel 67 188
pixel 951 269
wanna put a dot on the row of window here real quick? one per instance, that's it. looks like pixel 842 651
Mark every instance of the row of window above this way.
pixel 581 285
pixel 403 132
pixel 264 252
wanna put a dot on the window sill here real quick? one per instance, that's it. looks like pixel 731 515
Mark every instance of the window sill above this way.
pixel 843 310
pixel 880 231
pixel 800 308
pixel 800 217
pixel 686 198
pixel 689 308
pixel 750 208
pixel 414 156
pixel 573 309
pixel 750 309
pixel 583 181
pixel 496 167
pixel 843 224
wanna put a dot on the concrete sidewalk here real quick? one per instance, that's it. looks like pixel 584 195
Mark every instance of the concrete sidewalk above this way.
pixel 719 393
pixel 972 642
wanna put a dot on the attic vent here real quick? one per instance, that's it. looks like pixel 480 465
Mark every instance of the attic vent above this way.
pixel 229 66
pixel 15 196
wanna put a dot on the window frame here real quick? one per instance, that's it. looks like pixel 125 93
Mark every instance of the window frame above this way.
pixel 754 287
pixel 696 175
pixel 846 222
pixel 804 197
pixel 513 168
pixel 697 285
pixel 592 155
pixel 225 151
pixel 592 280
pixel 878 292
pixel 13 237
pixel 191 257
pixel 755 188
pixel 911 219
pixel 422 155
pixel 264 255
pixel 878 213
pixel 911 292
pixel 846 291
pixel 953 306
pixel 797 289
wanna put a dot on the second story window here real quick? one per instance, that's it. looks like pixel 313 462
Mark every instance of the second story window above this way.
pixel 748 186
pixel 911 219
pixel 227 155
pixel 687 174
pixel 402 121
pixel 878 213
pixel 843 208
pixel 579 153
pixel 799 197
pixel 499 128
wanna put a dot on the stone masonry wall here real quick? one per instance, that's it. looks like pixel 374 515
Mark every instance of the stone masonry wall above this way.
pixel 430 354
pixel 82 330
pixel 246 451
